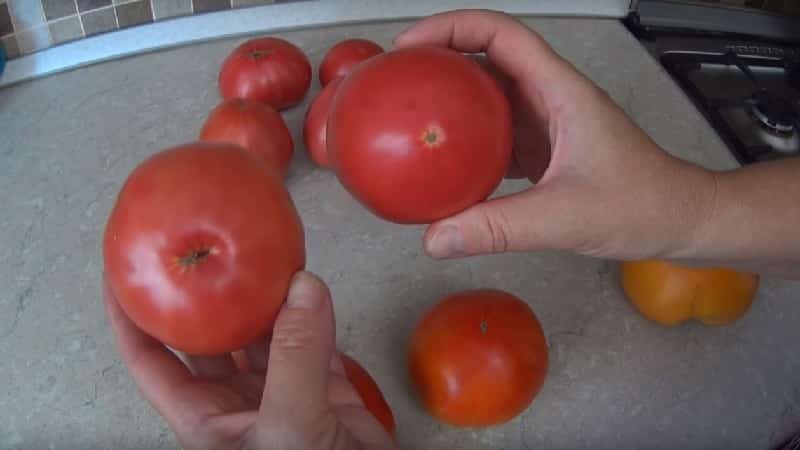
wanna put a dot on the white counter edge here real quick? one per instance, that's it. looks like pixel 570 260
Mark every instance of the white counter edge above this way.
pixel 270 18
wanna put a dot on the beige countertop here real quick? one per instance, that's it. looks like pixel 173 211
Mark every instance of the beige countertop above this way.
pixel 615 381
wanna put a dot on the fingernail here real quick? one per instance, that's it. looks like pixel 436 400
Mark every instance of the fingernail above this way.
pixel 304 292
pixel 446 243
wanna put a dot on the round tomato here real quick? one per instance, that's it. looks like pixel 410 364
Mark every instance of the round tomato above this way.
pixel 344 56
pixel 255 127
pixel 268 70
pixel 419 134
pixel 478 358
pixel 370 393
pixel 671 294
pixel 315 127
pixel 201 246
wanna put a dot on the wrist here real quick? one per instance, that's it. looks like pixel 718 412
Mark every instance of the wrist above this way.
pixel 696 201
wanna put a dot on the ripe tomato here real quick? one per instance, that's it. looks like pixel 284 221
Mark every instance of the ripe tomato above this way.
pixel 316 124
pixel 478 358
pixel 201 246
pixel 344 56
pixel 671 294
pixel 255 127
pixel 268 70
pixel 419 134
pixel 370 393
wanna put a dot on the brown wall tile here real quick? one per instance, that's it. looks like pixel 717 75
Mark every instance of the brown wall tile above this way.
pixel 99 21
pixel 6 26
pixel 33 39
pixel 10 46
pixel 88 5
pixel 65 30
pixel 55 9
pixel 201 6
pixel 135 13
pixel 171 8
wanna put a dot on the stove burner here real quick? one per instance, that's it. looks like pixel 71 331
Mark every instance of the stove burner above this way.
pixel 774 113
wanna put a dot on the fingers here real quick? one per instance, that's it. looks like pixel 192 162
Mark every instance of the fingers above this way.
pixel 301 349
pixel 499 225
pixel 257 354
pixel 211 367
pixel 365 427
pixel 157 372
pixel 502 37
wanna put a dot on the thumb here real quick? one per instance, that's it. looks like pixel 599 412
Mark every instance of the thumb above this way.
pixel 494 226
pixel 301 349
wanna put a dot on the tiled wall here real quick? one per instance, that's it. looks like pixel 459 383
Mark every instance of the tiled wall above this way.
pixel 30 25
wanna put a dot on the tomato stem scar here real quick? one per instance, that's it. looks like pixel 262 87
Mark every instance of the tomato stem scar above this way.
pixel 195 256
pixel 484 327
pixel 258 54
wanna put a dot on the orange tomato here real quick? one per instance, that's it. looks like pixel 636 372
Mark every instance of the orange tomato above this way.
pixel 671 294
pixel 478 358
pixel 370 393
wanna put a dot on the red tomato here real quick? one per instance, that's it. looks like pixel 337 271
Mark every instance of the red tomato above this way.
pixel 419 134
pixel 255 127
pixel 268 70
pixel 344 56
pixel 478 358
pixel 370 393
pixel 201 246
pixel 315 128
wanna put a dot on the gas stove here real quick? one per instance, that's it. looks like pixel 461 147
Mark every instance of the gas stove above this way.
pixel 744 80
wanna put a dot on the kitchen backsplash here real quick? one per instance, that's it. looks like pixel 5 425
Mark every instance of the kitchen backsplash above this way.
pixel 27 26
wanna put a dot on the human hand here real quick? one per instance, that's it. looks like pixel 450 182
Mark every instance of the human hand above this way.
pixel 608 190
pixel 297 395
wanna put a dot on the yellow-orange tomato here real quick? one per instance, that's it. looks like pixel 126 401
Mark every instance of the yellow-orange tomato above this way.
pixel 671 294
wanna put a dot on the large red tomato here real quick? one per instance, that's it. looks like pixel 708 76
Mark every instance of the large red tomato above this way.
pixel 268 70
pixel 255 127
pixel 201 245
pixel 478 358
pixel 344 56
pixel 419 134
pixel 370 393
pixel 315 127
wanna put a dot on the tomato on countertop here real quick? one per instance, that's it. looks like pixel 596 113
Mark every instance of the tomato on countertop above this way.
pixel 671 294
pixel 478 358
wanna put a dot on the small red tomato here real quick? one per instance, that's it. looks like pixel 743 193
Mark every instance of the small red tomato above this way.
pixel 315 128
pixel 419 134
pixel 255 127
pixel 478 358
pixel 344 56
pixel 268 70
pixel 201 246
pixel 370 393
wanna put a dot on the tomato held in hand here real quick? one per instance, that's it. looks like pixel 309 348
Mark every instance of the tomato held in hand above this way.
pixel 478 358
pixel 267 70
pixel 344 56
pixel 253 126
pixel 370 393
pixel 419 134
pixel 671 294
pixel 201 246
pixel 315 127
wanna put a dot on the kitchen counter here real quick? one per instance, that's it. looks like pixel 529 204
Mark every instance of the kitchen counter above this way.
pixel 615 380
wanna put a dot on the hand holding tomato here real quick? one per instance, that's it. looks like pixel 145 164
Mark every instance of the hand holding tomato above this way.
pixel 603 187
pixel 209 403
